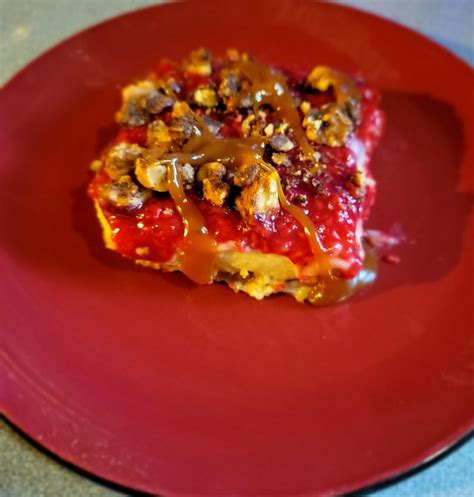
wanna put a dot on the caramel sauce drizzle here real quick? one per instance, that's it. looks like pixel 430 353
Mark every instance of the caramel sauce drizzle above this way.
pixel 200 250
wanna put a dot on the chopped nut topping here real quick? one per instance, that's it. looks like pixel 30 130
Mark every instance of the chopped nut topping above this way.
pixel 322 78
pixel 246 174
pixel 173 85
pixel 134 98
pixel 347 95
pixel 159 101
pixel 211 170
pixel 212 125
pixel 124 193
pixel 280 159
pixel 281 143
pixel 247 124
pixel 183 123
pixel 180 109
pixel 256 125
pixel 283 127
pixel 153 176
pixel 260 198
pixel 199 62
pixel 206 97
pixel 158 133
pixel 329 125
pixel 269 129
pixel 141 100
pixel 305 107
pixel 215 190
pixel 234 91
pixel 245 100
pixel 230 84
pixel 153 173
pixel 121 158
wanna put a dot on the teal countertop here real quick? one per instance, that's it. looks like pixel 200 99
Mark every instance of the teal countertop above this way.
pixel 27 28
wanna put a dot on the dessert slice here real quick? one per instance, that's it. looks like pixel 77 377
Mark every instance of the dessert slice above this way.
pixel 230 170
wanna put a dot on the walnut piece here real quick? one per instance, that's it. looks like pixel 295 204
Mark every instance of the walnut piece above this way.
pixel 134 97
pixel 199 62
pixel 143 99
pixel 247 125
pixel 205 97
pixel 234 91
pixel 153 174
pixel 180 109
pixel 305 107
pixel 268 130
pixel 158 101
pixel 158 134
pixel 281 143
pixel 212 125
pixel 246 174
pixel 280 159
pixel 229 88
pixel 183 123
pixel 348 96
pixel 124 193
pixel 322 78
pixel 121 158
pixel 260 198
pixel 329 125
pixel 211 170
pixel 211 175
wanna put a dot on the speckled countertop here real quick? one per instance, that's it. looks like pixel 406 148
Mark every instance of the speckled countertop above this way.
pixel 27 28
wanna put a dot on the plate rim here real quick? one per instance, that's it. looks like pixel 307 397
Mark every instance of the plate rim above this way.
pixel 416 462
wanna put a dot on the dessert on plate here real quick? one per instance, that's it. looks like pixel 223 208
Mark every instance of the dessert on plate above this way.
pixel 230 170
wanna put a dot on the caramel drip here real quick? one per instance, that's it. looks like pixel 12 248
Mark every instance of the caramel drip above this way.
pixel 270 87
pixel 200 250
pixel 332 289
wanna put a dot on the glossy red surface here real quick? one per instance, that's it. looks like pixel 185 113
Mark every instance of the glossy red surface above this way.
pixel 156 383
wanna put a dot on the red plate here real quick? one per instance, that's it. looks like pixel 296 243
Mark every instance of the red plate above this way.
pixel 161 385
